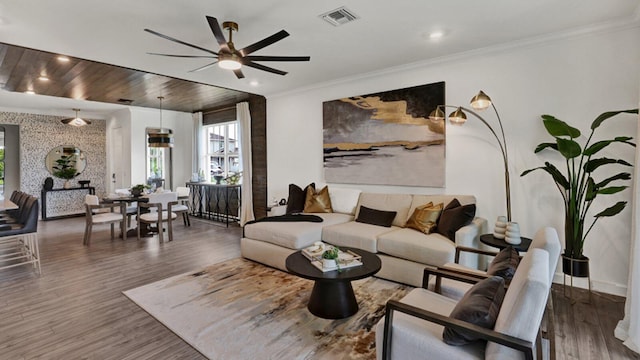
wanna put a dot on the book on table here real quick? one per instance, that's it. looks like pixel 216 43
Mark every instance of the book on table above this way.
pixel 346 259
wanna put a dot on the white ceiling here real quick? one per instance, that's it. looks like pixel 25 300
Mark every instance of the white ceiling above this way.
pixel 388 34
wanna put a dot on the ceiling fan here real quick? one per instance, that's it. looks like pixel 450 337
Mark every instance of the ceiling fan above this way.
pixel 228 57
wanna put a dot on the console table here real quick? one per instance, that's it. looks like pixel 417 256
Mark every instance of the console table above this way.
pixel 43 199
pixel 218 202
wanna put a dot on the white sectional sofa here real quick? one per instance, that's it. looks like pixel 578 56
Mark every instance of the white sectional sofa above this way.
pixel 404 252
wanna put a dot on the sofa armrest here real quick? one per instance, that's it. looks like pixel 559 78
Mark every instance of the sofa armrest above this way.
pixel 526 347
pixel 453 274
pixel 469 236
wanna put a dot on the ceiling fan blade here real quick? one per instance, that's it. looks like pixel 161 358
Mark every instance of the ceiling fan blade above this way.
pixel 264 68
pixel 278 58
pixel 204 67
pixel 239 74
pixel 180 41
pixel 185 56
pixel 264 42
pixel 217 32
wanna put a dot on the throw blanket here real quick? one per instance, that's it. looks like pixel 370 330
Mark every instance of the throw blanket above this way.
pixel 289 218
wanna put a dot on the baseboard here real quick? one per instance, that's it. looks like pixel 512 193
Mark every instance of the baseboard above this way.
pixel 596 285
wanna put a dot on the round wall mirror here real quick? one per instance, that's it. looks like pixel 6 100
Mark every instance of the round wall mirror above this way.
pixel 65 162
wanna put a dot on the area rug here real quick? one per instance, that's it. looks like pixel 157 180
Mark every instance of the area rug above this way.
pixel 239 309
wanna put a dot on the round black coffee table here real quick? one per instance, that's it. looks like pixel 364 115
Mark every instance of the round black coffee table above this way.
pixel 332 296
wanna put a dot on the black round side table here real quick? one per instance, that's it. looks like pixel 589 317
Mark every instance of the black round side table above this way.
pixel 490 240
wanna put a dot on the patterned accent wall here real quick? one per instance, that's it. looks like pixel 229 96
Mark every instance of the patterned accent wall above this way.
pixel 41 133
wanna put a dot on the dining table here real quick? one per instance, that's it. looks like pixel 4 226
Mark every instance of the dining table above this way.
pixel 7 204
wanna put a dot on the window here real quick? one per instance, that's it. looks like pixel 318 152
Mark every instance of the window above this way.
pixel 223 149
pixel 158 165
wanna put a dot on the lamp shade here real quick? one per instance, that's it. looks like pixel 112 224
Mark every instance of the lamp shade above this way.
pixel 76 121
pixel 458 117
pixel 436 115
pixel 160 139
pixel 481 101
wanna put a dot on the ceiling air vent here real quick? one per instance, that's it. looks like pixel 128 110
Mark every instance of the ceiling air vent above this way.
pixel 125 101
pixel 339 16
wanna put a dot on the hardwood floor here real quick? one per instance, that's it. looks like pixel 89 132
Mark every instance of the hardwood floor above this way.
pixel 76 310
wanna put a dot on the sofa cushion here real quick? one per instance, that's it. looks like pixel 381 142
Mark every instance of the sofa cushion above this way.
pixel 505 263
pixel 425 217
pixel 297 197
pixel 318 202
pixel 355 234
pixel 375 216
pixel 344 200
pixel 293 235
pixel 524 304
pixel 433 249
pixel 479 306
pixel 399 203
pixel 453 217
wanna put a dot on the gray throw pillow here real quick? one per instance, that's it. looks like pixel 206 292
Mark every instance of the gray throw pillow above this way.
pixel 453 217
pixel 297 197
pixel 480 305
pixel 505 263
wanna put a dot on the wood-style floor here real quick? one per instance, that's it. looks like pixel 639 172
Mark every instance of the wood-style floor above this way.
pixel 76 310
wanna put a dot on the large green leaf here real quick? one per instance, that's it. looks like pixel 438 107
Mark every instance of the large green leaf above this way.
pixel 543 146
pixel 553 171
pixel 592 190
pixel 611 190
pixel 613 210
pixel 606 115
pixel 556 127
pixel 568 148
pixel 593 164
pixel 597 146
pixel 619 176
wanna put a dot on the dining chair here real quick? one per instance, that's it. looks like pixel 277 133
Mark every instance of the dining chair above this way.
pixel 115 214
pixel 130 208
pixel 160 206
pixel 182 207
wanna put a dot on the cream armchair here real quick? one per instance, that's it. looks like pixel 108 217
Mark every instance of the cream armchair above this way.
pixel 413 327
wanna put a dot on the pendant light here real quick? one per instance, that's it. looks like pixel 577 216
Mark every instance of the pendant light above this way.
pixel 160 139
pixel 76 121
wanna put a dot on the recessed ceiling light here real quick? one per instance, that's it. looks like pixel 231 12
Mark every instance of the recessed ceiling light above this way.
pixel 63 58
pixel 436 35
pixel 254 83
pixel 43 78
pixel 30 92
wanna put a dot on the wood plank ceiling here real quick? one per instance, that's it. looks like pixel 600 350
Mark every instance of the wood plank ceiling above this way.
pixel 21 68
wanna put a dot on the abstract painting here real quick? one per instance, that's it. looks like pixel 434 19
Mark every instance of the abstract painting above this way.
pixel 385 138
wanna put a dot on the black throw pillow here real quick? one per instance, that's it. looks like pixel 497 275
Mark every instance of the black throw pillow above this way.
pixel 505 263
pixel 376 217
pixel 480 305
pixel 454 217
pixel 297 197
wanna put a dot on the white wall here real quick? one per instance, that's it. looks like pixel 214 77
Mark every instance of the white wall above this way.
pixel 574 78
pixel 134 121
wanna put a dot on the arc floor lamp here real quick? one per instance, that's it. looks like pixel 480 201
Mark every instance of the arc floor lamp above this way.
pixel 458 117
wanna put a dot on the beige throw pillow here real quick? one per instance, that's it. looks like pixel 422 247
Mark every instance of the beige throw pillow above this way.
pixel 319 202
pixel 424 217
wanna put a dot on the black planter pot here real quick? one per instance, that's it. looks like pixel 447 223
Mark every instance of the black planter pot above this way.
pixel 575 267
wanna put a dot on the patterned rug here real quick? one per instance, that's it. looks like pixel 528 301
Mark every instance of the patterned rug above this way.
pixel 239 309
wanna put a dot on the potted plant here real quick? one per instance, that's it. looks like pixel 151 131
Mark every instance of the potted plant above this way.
pixel 330 258
pixel 65 168
pixel 137 190
pixel 578 185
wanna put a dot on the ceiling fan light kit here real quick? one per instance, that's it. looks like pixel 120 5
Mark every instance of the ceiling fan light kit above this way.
pixel 228 57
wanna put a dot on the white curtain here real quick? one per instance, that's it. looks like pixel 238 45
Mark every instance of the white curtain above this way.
pixel 628 329
pixel 199 144
pixel 244 118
